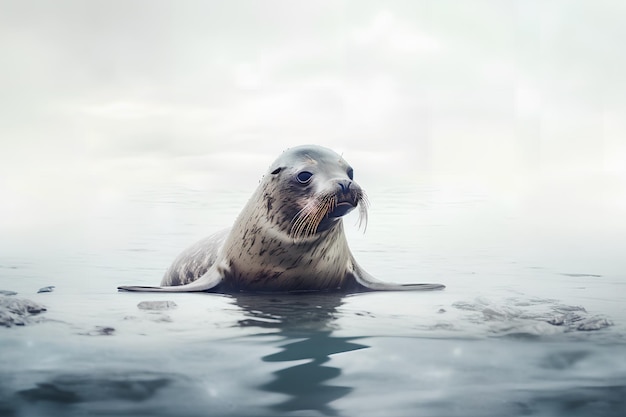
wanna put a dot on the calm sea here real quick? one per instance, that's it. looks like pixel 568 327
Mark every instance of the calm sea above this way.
pixel 532 322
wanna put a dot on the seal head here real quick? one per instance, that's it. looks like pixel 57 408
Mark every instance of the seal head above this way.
pixel 315 188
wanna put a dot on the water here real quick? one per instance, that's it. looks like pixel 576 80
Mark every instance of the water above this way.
pixel 532 322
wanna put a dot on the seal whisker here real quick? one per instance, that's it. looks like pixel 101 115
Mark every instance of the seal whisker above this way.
pixel 363 206
pixel 316 217
pixel 307 220
pixel 302 219
pixel 313 220
pixel 298 221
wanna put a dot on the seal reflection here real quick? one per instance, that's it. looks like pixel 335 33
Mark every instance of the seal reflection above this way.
pixel 306 323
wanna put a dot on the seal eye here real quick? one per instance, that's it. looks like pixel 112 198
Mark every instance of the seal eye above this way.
pixel 304 177
pixel 350 173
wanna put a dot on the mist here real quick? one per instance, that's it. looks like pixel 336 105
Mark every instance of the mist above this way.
pixel 522 100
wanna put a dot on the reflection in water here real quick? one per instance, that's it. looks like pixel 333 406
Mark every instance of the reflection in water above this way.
pixel 92 392
pixel 306 323
pixel 86 388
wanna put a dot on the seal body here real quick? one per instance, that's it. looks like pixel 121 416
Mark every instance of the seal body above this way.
pixel 288 237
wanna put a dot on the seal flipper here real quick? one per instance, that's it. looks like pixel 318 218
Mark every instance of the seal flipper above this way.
pixel 365 282
pixel 211 279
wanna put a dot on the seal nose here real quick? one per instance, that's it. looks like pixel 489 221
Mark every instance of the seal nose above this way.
pixel 344 185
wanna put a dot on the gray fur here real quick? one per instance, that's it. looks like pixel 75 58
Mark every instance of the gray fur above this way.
pixel 194 261
pixel 265 250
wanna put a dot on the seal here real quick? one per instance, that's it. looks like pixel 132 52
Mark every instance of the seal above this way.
pixel 289 236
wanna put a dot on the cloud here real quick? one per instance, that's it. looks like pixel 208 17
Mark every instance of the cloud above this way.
pixel 386 32
pixel 489 88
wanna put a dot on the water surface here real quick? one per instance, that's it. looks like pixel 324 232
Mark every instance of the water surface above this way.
pixel 531 322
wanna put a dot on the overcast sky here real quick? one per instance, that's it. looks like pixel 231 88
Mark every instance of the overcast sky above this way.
pixel 97 95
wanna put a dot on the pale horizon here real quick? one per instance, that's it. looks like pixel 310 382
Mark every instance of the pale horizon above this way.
pixel 104 97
